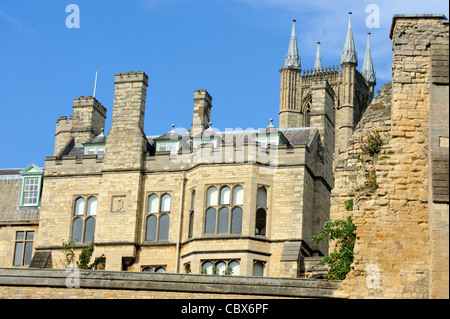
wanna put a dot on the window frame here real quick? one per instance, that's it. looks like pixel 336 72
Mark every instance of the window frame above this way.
pixel 215 262
pixel 159 214
pixel 259 208
pixel 218 205
pixel 84 217
pixel 31 172
pixel 24 242
pixel 94 149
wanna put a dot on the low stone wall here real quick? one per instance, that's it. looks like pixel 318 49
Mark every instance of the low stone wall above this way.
pixel 34 283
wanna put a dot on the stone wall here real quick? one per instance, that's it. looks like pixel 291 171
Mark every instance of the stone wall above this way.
pixel 87 284
pixel 394 253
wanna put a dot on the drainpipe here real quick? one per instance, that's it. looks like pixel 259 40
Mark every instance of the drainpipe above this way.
pixel 183 178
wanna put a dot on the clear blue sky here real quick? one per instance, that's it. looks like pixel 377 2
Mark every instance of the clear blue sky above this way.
pixel 232 48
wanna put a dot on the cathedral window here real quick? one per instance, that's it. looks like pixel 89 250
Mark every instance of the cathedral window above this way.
pixel 158 219
pixel 223 214
pixel 83 222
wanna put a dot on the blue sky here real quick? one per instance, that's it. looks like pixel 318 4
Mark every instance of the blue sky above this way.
pixel 232 48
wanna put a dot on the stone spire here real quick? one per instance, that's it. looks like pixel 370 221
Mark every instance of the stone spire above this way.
pixel 349 53
pixel 292 59
pixel 318 63
pixel 367 70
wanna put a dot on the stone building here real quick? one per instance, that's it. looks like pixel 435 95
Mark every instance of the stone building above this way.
pixel 240 202
pixel 247 202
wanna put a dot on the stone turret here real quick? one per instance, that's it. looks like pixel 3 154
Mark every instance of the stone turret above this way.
pixel 289 102
pixel 346 110
pixel 368 71
pixel 87 121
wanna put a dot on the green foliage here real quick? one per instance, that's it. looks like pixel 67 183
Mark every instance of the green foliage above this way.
pixel 372 145
pixel 83 259
pixel 340 260
pixel 68 252
pixel 228 271
pixel 348 204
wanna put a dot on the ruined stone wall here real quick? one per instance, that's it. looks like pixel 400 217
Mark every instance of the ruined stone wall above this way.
pixel 391 190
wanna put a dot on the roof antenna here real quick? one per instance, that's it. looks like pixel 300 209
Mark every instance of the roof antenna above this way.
pixel 95 84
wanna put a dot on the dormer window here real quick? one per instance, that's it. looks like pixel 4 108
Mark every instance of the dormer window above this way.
pixel 173 147
pixel 95 149
pixel 31 185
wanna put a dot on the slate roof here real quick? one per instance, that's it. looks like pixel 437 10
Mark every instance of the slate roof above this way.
pixel 295 136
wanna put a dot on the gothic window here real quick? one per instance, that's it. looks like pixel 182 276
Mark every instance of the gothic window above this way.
pixel 258 268
pixel 223 214
pixel 306 111
pixel 191 216
pixel 221 267
pixel 83 222
pixel 157 269
pixel 261 211
pixel 158 217
pixel 23 248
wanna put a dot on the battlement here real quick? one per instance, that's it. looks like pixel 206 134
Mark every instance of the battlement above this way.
pixel 89 101
pixel 127 77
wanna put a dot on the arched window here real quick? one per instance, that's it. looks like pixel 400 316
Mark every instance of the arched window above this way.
pixel 83 223
pixel 79 207
pixel 224 216
pixel 160 270
pixel 236 220
pixel 207 268
pixel 191 225
pixel 92 206
pixel 210 221
pixel 261 211
pixel 225 195
pixel 150 234
pixel 191 216
pixel 153 203
pixel 158 218
pixel 238 195
pixel 235 267
pixel 165 203
pixel 163 230
pixel 77 230
pixel 89 230
pixel 221 267
pixel 223 213
pixel 260 222
pixel 261 199
pixel 211 199
pixel 258 269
